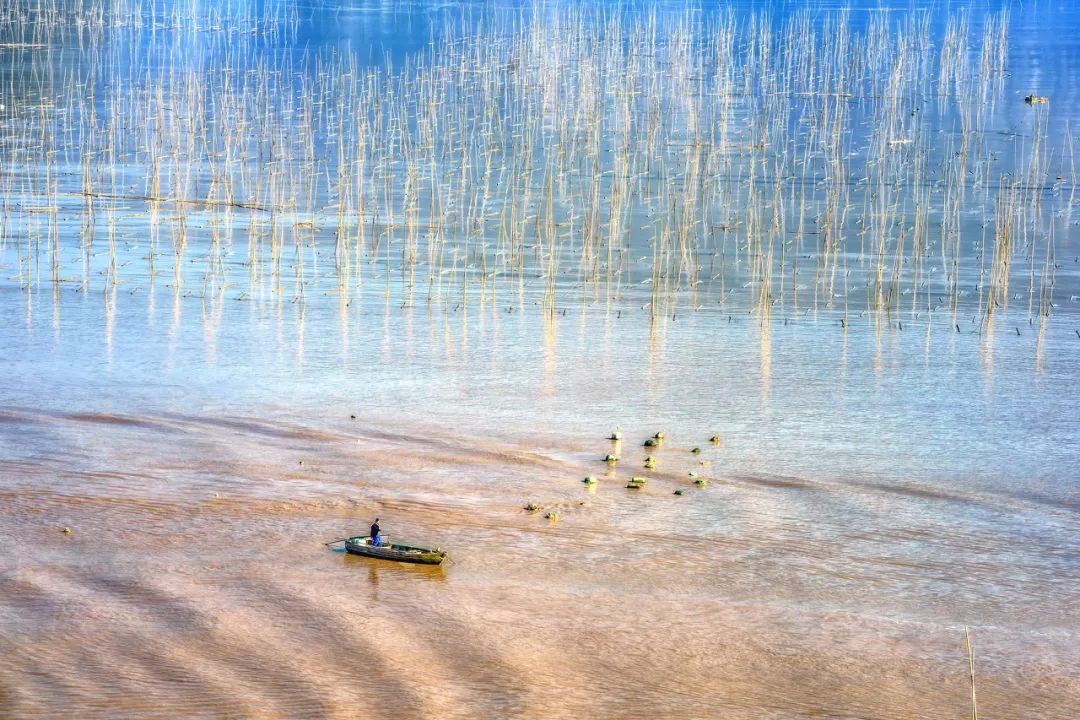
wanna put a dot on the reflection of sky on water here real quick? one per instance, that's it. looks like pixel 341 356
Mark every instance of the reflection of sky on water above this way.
pixel 795 398
pixel 984 413
pixel 1044 58
pixel 1044 53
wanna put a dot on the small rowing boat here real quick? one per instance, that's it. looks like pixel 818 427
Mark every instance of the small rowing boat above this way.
pixel 361 545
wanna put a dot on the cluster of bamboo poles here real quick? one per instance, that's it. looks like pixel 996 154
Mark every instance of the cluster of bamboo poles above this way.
pixel 596 155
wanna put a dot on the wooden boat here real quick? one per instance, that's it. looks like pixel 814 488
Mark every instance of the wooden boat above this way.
pixel 361 545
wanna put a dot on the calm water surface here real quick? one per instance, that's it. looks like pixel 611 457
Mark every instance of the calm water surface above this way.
pixel 878 486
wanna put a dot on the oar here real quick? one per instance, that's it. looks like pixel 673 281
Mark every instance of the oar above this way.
pixel 335 542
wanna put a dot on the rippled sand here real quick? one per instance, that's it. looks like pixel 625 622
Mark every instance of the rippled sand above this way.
pixel 195 583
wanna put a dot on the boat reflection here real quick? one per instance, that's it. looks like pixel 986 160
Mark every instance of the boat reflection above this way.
pixel 389 570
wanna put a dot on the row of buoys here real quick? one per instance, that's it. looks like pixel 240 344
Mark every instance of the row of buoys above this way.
pixel 636 482
pixel 552 514
pixel 655 441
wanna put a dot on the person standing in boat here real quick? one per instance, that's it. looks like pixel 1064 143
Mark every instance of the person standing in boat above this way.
pixel 376 540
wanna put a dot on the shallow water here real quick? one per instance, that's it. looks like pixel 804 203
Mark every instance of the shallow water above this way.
pixel 879 485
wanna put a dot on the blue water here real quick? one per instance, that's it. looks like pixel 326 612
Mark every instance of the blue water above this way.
pixel 810 390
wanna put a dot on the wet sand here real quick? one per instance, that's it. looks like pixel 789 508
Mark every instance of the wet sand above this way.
pixel 195 583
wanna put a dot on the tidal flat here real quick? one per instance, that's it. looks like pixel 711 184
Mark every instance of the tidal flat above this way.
pixel 271 270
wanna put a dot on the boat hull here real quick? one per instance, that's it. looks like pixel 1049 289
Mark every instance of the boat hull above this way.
pixel 398 553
